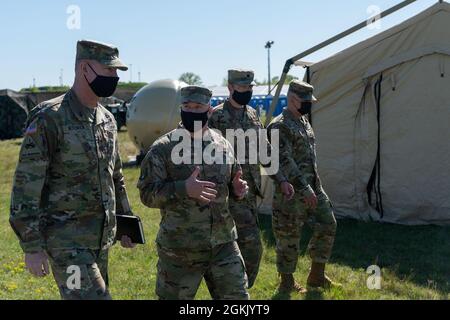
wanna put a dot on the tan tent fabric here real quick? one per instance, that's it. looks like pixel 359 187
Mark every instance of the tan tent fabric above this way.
pixel 413 60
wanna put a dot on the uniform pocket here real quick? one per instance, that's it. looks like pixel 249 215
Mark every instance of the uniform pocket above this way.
pixel 77 152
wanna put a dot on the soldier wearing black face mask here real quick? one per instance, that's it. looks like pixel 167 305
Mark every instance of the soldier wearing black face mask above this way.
pixel 235 114
pixel 197 237
pixel 298 164
pixel 69 184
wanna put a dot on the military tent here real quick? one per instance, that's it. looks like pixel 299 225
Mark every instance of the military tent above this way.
pixel 382 123
pixel 14 109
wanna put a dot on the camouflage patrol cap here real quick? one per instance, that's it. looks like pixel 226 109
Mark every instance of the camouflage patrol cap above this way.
pixel 303 90
pixel 196 94
pixel 241 77
pixel 106 54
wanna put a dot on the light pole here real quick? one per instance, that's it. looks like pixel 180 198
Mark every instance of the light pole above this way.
pixel 61 80
pixel 269 45
pixel 131 73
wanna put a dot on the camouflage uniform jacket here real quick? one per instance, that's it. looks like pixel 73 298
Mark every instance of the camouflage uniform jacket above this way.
pixel 224 118
pixel 68 184
pixel 297 152
pixel 185 223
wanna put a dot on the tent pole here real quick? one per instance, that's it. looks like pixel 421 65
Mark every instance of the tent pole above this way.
pixel 341 35
pixel 277 93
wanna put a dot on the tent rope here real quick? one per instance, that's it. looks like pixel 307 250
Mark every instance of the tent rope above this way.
pixel 375 178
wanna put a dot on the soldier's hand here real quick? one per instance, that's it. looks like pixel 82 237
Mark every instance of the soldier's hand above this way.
pixel 37 264
pixel 288 190
pixel 311 201
pixel 203 191
pixel 240 187
pixel 127 243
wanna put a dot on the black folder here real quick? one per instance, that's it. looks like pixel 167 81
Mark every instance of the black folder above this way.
pixel 130 226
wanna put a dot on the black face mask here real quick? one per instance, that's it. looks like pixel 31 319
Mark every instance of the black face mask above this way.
pixel 190 118
pixel 305 107
pixel 103 86
pixel 242 98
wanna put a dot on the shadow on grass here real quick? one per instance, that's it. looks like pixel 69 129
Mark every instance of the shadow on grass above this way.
pixel 420 254
pixel 314 294
pixel 281 296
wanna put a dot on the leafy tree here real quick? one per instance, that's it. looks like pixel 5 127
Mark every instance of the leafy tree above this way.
pixel 289 78
pixel 275 80
pixel 191 79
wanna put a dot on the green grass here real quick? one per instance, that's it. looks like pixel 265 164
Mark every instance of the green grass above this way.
pixel 415 261
pixel 131 85
pixel 48 89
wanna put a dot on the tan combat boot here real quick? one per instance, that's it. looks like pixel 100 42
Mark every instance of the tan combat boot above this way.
pixel 318 279
pixel 288 284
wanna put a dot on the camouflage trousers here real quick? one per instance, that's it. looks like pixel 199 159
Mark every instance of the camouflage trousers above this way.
pixel 245 215
pixel 287 222
pixel 81 274
pixel 180 272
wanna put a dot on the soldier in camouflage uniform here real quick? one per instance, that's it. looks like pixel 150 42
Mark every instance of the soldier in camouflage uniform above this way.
pixel 298 164
pixel 197 235
pixel 68 186
pixel 236 114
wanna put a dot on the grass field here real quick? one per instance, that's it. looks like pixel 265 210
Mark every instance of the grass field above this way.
pixel 415 261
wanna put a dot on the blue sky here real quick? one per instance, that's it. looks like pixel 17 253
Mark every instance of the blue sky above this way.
pixel 163 39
